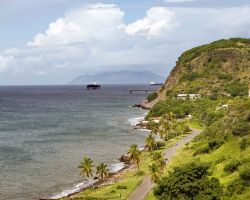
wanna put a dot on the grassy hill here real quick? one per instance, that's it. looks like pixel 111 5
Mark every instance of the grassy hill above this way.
pixel 220 72
pixel 219 68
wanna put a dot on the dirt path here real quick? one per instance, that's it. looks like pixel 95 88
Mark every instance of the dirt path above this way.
pixel 146 186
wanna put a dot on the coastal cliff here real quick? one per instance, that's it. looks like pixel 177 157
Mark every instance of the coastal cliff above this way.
pixel 211 69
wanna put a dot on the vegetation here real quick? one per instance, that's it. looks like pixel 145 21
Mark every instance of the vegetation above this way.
pixel 102 170
pixel 190 181
pixel 135 154
pixel 152 96
pixel 86 166
pixel 215 165
pixel 217 69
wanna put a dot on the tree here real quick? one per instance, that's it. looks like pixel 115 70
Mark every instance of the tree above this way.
pixel 86 166
pixel 155 172
pixel 190 181
pixel 150 142
pixel 102 170
pixel 167 128
pixel 134 154
pixel 162 133
pixel 159 160
pixel 180 127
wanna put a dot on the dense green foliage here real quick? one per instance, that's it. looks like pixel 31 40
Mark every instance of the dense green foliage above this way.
pixel 237 89
pixel 220 68
pixel 232 166
pixel 195 52
pixel 152 96
pixel 190 181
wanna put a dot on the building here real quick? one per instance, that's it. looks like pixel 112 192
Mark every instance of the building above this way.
pixel 188 96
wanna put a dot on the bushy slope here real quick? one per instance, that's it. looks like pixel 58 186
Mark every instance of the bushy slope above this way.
pixel 217 68
pixel 220 72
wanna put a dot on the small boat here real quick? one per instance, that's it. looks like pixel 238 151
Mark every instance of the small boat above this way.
pixel 153 83
pixel 93 86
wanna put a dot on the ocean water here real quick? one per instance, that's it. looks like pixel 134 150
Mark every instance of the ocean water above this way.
pixel 46 130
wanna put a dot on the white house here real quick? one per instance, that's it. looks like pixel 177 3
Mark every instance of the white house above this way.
pixel 188 96
pixel 225 106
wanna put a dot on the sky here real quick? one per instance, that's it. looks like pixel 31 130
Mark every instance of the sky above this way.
pixel 47 42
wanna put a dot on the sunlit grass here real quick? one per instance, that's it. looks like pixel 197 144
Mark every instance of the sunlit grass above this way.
pixel 130 179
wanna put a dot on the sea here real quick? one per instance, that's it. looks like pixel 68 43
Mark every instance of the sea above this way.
pixel 45 131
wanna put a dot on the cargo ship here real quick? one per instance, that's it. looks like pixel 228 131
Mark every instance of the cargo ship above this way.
pixel 93 86
pixel 153 83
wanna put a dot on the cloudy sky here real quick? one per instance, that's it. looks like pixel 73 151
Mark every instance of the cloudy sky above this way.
pixel 54 41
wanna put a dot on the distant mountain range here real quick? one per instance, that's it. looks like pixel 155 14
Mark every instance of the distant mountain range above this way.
pixel 122 77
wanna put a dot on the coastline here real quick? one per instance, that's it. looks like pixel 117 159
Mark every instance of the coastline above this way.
pixel 115 174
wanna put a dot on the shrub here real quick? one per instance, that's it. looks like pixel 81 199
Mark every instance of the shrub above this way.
pixel 187 129
pixel 190 181
pixel 190 76
pixel 236 187
pixel 243 144
pixel 225 76
pixel 140 173
pixel 202 150
pixel 232 166
pixel 152 96
pixel 209 118
pixel 241 128
pixel 220 159
pixel 237 89
pixel 160 144
pixel 212 145
pixel 247 117
pixel 121 187
pixel 178 107
pixel 215 144
pixel 245 172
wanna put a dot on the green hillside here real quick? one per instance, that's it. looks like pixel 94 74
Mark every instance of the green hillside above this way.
pixel 219 68
pixel 220 72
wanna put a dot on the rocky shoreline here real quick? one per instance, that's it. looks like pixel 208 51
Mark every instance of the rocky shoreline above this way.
pixel 112 177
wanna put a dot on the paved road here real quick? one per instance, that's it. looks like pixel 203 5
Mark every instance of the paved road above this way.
pixel 146 186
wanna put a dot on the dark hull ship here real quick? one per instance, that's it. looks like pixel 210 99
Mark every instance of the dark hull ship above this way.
pixel 93 86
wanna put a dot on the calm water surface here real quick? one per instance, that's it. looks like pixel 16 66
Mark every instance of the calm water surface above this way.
pixel 46 130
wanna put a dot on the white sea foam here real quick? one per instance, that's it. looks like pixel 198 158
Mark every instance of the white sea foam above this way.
pixel 116 167
pixel 73 190
pixel 135 121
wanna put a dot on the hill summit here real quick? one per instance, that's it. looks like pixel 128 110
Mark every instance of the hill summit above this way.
pixel 218 68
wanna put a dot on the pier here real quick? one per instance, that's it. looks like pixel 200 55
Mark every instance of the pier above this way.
pixel 131 91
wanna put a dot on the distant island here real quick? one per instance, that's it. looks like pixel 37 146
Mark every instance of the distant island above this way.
pixel 121 77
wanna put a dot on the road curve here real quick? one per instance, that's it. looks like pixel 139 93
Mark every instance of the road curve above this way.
pixel 146 186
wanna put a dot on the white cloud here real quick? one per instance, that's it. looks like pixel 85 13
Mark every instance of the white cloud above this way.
pixel 5 61
pixel 158 21
pixel 92 23
pixel 96 38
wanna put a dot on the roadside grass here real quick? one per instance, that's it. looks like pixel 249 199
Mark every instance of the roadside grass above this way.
pixel 218 160
pixel 129 179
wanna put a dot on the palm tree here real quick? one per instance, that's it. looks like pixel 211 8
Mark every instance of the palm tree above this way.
pixel 180 127
pixel 134 154
pixel 155 172
pixel 102 170
pixel 159 160
pixel 167 128
pixel 86 166
pixel 150 141
pixel 154 130
pixel 171 116
pixel 162 133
